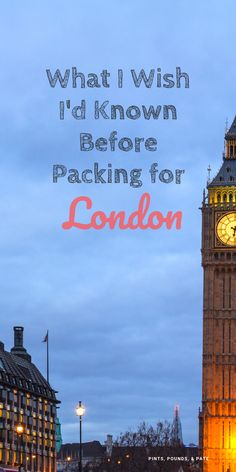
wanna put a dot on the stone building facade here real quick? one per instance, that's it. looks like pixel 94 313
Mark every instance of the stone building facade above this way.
pixel 218 415
pixel 28 412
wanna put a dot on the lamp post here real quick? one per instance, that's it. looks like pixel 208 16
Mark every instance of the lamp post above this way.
pixel 68 459
pixel 34 462
pixel 80 411
pixel 20 432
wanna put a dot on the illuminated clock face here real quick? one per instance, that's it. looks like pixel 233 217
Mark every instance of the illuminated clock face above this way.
pixel 226 229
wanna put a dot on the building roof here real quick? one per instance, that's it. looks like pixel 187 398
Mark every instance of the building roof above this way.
pixel 231 133
pixel 89 449
pixel 17 372
pixel 226 175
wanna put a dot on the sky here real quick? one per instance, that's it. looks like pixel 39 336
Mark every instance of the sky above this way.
pixel 123 308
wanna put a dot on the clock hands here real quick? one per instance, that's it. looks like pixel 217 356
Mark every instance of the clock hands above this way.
pixel 234 230
pixel 226 229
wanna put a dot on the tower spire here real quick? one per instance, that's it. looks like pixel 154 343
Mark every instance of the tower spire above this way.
pixel 230 141
pixel 176 433
pixel 209 174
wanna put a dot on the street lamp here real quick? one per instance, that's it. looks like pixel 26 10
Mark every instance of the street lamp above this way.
pixel 20 432
pixel 34 462
pixel 20 429
pixel 80 411
pixel 68 459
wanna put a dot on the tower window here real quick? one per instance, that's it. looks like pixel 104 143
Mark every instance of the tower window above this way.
pixel 225 197
pixel 231 178
pixel 230 197
pixel 228 169
pixel 221 178
pixel 218 198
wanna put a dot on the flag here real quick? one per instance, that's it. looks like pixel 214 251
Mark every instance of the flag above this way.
pixel 45 340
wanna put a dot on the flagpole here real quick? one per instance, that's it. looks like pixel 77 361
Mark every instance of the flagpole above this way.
pixel 48 356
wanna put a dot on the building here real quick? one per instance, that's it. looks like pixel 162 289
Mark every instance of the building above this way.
pixel 58 435
pixel 28 411
pixel 112 457
pixel 176 433
pixel 150 459
pixel 217 419
pixel 93 453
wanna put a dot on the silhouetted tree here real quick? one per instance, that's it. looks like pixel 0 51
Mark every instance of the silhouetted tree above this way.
pixel 159 435
pixel 143 450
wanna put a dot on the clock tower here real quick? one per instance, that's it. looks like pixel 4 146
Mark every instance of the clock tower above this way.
pixel 217 419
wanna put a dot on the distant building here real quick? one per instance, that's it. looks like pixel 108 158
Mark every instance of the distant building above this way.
pixel 109 445
pixel 58 435
pixel 114 458
pixel 176 433
pixel 160 458
pixel 93 453
pixel 28 411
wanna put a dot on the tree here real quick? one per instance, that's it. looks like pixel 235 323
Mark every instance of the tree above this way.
pixel 146 435
pixel 143 450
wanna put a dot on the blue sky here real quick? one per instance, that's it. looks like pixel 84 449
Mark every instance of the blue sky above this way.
pixel 124 309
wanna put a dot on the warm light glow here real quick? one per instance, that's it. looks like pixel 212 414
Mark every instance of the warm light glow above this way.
pixel 27 458
pixel 118 462
pixel 80 410
pixel 127 456
pixel 233 443
pixel 226 229
pixel 34 456
pixel 68 459
pixel 20 429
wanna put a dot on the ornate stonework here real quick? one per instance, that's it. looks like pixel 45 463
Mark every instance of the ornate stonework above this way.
pixel 217 419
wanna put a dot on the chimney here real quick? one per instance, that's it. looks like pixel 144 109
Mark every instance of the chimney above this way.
pixel 18 349
pixel 109 444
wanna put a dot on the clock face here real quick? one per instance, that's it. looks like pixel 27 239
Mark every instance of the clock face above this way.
pixel 226 229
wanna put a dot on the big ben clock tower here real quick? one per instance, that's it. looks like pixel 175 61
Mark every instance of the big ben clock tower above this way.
pixel 217 420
